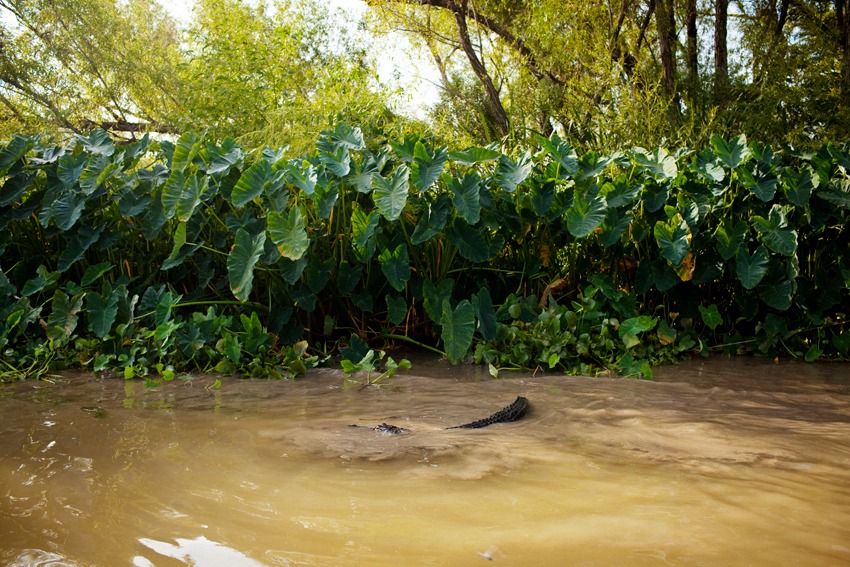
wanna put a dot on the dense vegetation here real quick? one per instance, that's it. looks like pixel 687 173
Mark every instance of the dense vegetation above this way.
pixel 154 257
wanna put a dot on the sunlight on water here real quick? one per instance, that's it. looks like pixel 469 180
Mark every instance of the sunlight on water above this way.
pixel 724 462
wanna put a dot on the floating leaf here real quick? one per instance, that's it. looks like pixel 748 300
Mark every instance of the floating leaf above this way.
pixel 289 233
pixel 458 326
pixel 241 260
pixel 390 193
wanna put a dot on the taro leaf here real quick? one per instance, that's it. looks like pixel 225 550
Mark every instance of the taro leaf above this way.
pixel 711 316
pixel 336 160
pixel 304 298
pixel 363 300
pixel 63 315
pixel 728 238
pixel 395 265
pixel 733 153
pixel 303 177
pixel 708 168
pixel 97 171
pixel 470 241
pixel 93 273
pixel 67 209
pixel 485 313
pixel 616 223
pixel 77 246
pixel 363 226
pixel 291 271
pixel 317 274
pixel 97 142
pixel 405 149
pixel 184 151
pixel 348 277
pixel 761 185
pixel 637 325
pixel 586 214
pixel 777 293
pixel 171 192
pixel 797 186
pixel 466 197
pixel 14 150
pixel 14 187
pixel 839 196
pixel 751 268
pixel 659 163
pixel 44 280
pixel 241 260
pixel 510 173
pixel 396 309
pixel 427 165
pixel 345 136
pixel 289 233
pixel 775 233
pixel 432 221
pixel 190 198
pixel 390 193
pixel 542 197
pixel 655 196
pixel 592 164
pixel 324 199
pixel 433 297
pixel 458 326
pixel 474 155
pixel 356 350
pixel 164 307
pixel 180 250
pixel 619 193
pixel 563 154
pixel 254 180
pixel 674 239
pixel 224 158
pixel 102 310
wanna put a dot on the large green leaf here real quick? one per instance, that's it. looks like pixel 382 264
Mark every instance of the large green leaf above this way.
pixel 470 241
pixel 510 173
pixel 97 171
pixel 395 265
pixel 336 160
pixel 458 326
pixel 474 155
pixel 241 260
pixel 728 238
pixel 77 246
pixel 620 193
pixel 659 163
pixel 466 196
pixel 563 154
pixel 102 310
pixel 67 209
pixel 485 313
pixel 674 239
pixel 171 192
pixel 181 249
pixel 751 268
pixel 775 232
pixel 325 198
pixel 289 233
pixel 427 165
pixel 97 142
pixel 254 180
pixel 707 166
pixel 587 213
pixel 433 297
pixel 185 150
pixel 616 223
pixel 390 193
pixel 13 151
pixel 592 164
pixel 396 309
pixel 64 315
pixel 346 136
pixel 733 153
pixel 363 228
pixel 777 293
pixel 797 186
pixel 190 197
pixel 432 221
pixel 303 177
pixel 762 185
pixel 711 316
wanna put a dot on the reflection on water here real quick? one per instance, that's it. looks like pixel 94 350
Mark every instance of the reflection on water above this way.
pixel 716 462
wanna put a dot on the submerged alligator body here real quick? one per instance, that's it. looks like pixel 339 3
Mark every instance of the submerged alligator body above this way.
pixel 512 412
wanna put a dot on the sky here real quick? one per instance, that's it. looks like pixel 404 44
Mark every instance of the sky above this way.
pixel 398 66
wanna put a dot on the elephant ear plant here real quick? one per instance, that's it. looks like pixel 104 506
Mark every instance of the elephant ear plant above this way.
pixel 154 258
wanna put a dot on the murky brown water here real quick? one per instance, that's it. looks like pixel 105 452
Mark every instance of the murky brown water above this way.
pixel 720 462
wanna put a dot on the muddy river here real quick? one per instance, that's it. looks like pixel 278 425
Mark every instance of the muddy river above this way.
pixel 715 462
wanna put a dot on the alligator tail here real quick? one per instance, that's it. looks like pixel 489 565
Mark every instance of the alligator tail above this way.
pixel 512 412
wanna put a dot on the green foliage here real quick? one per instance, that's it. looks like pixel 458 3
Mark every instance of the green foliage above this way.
pixel 582 263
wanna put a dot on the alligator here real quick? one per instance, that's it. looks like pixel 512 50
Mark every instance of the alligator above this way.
pixel 512 412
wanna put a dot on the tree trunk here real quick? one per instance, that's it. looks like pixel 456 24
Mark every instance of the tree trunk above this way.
pixel 665 24
pixel 692 46
pixel 495 108
pixel 721 63
pixel 842 14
